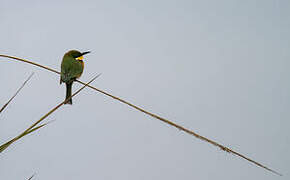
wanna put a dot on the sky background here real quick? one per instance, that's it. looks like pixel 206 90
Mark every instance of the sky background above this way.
pixel 219 68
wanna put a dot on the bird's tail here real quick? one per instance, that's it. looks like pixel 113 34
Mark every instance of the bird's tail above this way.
pixel 68 93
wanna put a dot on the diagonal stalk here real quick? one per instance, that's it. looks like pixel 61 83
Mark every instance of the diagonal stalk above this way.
pixel 31 176
pixel 32 128
pixel 155 116
pixel 5 105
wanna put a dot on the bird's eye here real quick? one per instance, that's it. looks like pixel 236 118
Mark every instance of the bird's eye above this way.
pixel 80 58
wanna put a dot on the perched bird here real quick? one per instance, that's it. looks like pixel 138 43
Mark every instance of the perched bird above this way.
pixel 72 67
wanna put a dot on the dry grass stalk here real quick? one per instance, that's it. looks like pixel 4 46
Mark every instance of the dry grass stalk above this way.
pixel 31 177
pixel 5 105
pixel 34 126
pixel 226 149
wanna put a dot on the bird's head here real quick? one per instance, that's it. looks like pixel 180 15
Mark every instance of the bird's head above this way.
pixel 76 54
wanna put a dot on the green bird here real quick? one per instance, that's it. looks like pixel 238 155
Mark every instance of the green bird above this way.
pixel 72 67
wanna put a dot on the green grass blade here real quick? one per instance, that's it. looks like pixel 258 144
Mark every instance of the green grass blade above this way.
pixel 7 144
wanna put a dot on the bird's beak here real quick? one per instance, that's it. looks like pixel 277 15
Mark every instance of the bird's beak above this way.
pixel 85 52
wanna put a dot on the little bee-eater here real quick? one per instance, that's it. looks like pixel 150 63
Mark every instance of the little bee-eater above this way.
pixel 72 67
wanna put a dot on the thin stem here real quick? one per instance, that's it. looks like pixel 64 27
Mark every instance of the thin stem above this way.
pixel 33 128
pixel 31 176
pixel 5 105
pixel 156 117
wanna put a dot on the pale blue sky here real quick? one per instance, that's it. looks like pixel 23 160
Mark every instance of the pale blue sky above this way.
pixel 220 68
